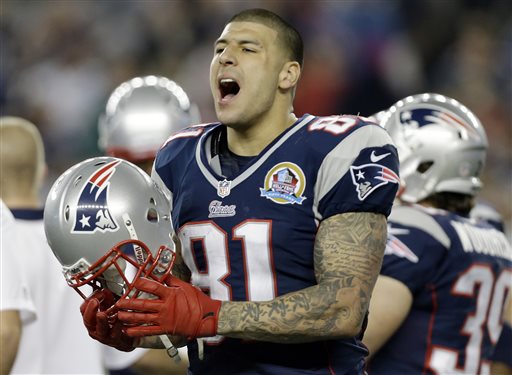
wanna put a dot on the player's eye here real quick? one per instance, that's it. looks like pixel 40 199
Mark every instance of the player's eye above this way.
pixel 219 50
pixel 247 50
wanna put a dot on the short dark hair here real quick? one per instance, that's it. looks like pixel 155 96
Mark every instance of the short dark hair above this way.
pixel 461 204
pixel 289 36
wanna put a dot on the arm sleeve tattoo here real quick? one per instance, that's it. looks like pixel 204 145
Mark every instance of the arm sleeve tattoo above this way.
pixel 348 255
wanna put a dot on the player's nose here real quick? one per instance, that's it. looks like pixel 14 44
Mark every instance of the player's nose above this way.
pixel 227 57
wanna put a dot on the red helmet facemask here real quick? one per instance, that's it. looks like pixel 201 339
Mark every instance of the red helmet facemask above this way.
pixel 118 271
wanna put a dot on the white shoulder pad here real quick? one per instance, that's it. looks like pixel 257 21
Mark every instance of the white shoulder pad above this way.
pixel 414 217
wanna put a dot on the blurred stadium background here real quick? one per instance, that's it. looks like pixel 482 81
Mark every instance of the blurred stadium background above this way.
pixel 60 59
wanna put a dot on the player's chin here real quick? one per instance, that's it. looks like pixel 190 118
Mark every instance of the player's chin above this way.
pixel 228 116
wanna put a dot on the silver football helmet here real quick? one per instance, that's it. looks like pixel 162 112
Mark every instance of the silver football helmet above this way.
pixel 141 114
pixel 108 223
pixel 441 145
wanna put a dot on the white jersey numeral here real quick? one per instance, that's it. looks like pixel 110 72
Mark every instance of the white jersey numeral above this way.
pixel 255 236
pixel 334 124
pixel 477 282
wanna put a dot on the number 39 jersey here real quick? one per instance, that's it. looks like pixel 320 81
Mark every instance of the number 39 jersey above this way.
pixel 459 272
pixel 251 237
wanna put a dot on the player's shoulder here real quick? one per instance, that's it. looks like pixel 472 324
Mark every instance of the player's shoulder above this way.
pixel 429 220
pixel 347 129
pixel 342 125
pixel 182 143
pixel 190 134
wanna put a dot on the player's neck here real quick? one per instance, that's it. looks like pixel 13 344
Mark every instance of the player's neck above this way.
pixel 251 140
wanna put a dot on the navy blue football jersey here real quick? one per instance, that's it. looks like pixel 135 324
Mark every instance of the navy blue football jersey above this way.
pixel 459 272
pixel 251 237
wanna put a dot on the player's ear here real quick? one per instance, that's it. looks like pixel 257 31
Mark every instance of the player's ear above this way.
pixel 289 75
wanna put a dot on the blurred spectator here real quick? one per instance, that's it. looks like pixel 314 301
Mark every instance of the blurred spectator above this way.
pixel 62 56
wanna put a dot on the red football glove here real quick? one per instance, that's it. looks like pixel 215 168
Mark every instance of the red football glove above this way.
pixel 96 321
pixel 182 309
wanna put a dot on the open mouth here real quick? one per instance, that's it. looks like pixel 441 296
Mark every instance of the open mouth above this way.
pixel 228 88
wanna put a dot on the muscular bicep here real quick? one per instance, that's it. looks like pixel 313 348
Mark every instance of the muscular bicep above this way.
pixel 348 250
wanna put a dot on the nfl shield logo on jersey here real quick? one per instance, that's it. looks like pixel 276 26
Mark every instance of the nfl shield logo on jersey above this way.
pixel 224 188
pixel 92 211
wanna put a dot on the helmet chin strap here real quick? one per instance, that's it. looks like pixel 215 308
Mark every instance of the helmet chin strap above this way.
pixel 139 257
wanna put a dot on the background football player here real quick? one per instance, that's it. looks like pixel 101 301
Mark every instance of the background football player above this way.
pixel 140 114
pixel 438 303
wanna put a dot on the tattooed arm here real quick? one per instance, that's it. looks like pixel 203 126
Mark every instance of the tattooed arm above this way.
pixel 347 256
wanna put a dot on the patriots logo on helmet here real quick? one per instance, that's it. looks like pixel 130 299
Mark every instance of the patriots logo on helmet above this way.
pixel 418 117
pixel 92 213
pixel 368 177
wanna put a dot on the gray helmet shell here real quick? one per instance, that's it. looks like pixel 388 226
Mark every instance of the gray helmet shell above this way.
pixel 141 114
pixel 441 145
pixel 99 203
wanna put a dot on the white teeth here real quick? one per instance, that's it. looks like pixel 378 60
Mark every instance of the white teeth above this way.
pixel 227 80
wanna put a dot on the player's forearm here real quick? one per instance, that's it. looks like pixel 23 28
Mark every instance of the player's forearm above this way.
pixel 329 310
pixel 348 255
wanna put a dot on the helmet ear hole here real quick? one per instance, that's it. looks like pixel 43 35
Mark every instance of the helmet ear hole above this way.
pixel 152 215
pixel 77 180
pixel 424 166
pixel 66 213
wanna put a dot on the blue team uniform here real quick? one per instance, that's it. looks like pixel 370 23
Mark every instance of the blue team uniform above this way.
pixel 458 271
pixel 250 236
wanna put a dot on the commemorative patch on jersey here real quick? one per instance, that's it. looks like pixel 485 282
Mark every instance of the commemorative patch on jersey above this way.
pixel 92 213
pixel 369 177
pixel 284 184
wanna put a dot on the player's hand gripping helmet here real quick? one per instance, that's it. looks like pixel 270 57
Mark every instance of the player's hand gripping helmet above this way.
pixel 141 114
pixel 108 223
pixel 441 145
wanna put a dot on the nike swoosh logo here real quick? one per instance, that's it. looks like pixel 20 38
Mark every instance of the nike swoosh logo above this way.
pixel 375 158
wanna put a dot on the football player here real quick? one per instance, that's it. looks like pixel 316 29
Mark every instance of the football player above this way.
pixel 140 115
pixel 282 221
pixel 437 305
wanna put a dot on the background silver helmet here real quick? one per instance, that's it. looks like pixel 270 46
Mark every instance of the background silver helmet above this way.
pixel 141 114
pixel 441 145
pixel 107 222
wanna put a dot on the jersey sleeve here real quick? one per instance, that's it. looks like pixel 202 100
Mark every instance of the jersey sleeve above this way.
pixel 415 247
pixel 173 159
pixel 359 174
